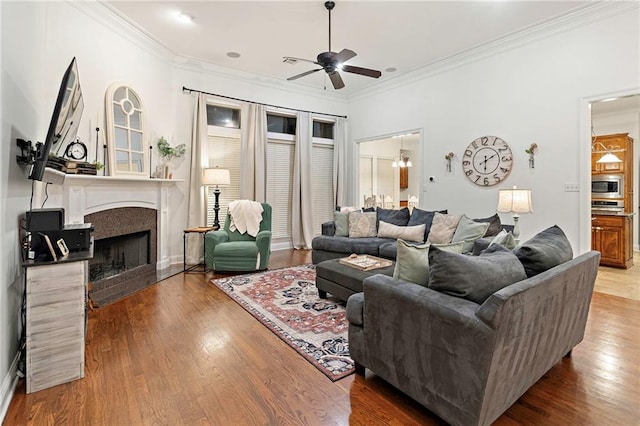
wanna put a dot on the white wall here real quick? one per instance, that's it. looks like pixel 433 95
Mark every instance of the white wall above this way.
pixel 20 95
pixel 530 93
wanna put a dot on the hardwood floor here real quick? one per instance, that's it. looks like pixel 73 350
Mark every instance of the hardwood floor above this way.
pixel 182 352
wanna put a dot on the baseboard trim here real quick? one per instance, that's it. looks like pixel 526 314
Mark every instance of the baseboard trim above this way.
pixel 8 388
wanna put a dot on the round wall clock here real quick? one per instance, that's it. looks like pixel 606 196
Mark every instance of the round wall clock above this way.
pixel 76 150
pixel 487 161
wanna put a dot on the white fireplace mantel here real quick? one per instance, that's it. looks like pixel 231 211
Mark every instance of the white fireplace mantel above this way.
pixel 81 195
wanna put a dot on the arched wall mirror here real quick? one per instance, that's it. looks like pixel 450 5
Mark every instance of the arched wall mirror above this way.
pixel 125 131
pixel 389 171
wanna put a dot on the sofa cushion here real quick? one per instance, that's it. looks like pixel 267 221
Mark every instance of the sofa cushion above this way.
pixel 388 250
pixel 423 216
pixel 442 228
pixel 362 225
pixel 468 231
pixel 495 225
pixel 396 217
pixel 474 278
pixel 408 233
pixel 341 220
pixel 348 245
pixel 544 250
pixel 412 261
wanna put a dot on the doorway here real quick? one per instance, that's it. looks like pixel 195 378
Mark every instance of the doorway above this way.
pixel 389 169
pixel 617 115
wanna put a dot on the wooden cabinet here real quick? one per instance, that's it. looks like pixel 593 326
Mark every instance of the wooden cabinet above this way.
pixel 404 177
pixel 612 236
pixel 55 323
pixel 622 145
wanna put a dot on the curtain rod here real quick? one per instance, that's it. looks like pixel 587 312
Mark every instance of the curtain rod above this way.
pixel 186 89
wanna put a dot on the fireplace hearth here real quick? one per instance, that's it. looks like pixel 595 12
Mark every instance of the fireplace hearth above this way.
pixel 124 259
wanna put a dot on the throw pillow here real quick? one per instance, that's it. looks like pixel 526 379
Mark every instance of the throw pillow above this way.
pixel 442 228
pixel 545 250
pixel 419 216
pixel 412 261
pixel 468 231
pixel 495 225
pixel 407 233
pixel 362 225
pixel 395 217
pixel 474 278
pixel 342 224
pixel 505 239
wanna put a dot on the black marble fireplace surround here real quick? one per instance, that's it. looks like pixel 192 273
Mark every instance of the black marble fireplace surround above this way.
pixel 126 222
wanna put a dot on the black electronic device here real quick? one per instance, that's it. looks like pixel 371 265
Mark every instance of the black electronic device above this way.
pixel 77 237
pixel 37 220
pixel 63 127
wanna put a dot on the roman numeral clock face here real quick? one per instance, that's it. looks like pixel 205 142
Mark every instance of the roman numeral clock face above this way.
pixel 487 161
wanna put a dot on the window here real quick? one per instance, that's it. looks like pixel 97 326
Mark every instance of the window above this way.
pixel 322 129
pixel 281 124
pixel 279 187
pixel 223 116
pixel 224 151
pixel 322 185
pixel 125 134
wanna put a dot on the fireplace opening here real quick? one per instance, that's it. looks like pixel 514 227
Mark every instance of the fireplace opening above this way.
pixel 116 255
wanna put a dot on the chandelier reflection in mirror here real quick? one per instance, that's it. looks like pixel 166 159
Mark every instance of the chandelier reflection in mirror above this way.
pixel 403 160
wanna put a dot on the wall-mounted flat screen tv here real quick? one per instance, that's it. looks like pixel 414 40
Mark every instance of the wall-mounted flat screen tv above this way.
pixel 65 120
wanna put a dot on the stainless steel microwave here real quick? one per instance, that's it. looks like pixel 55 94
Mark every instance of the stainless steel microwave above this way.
pixel 607 186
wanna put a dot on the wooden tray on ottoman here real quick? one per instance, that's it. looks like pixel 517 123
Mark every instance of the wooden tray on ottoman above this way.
pixel 365 262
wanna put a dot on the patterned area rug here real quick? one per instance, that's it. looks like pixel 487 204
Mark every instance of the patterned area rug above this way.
pixel 287 302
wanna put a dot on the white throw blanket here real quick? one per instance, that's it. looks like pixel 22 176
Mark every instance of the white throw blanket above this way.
pixel 246 216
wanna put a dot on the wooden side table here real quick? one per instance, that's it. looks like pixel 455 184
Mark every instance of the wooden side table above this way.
pixel 202 230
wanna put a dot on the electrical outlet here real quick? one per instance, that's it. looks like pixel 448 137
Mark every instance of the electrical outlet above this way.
pixel 571 187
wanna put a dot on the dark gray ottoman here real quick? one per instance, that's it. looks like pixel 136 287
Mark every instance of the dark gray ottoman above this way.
pixel 341 280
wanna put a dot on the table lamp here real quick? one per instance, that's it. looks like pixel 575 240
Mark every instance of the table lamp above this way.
pixel 516 201
pixel 215 176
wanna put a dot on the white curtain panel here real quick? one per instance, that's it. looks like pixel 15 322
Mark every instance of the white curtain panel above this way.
pixel 253 159
pixel 340 161
pixel 302 200
pixel 199 159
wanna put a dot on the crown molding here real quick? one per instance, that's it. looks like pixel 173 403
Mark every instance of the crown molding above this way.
pixel 214 70
pixel 109 17
pixel 599 11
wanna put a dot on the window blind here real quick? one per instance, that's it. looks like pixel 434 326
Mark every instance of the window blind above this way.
pixel 224 151
pixel 279 187
pixel 322 185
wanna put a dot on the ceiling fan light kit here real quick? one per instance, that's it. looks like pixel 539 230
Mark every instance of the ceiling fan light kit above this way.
pixel 331 61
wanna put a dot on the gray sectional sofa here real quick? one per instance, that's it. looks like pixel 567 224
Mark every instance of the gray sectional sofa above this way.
pixel 332 245
pixel 481 331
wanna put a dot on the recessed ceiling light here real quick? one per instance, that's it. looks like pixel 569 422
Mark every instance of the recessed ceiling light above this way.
pixel 185 18
pixel 390 69
pixel 233 55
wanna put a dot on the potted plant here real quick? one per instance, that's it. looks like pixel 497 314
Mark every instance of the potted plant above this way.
pixel 168 153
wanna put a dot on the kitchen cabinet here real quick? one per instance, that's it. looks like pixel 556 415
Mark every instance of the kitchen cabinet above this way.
pixel 612 236
pixel 622 145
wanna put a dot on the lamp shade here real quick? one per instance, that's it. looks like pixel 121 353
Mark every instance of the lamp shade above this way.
pixel 609 158
pixel 515 201
pixel 216 176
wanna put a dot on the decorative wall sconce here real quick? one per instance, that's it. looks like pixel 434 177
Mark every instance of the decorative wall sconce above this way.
pixel 531 151
pixel 449 157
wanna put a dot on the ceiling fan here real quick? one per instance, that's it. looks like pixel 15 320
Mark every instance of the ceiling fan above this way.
pixel 331 62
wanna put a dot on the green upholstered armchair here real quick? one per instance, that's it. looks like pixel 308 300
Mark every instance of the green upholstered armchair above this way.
pixel 226 250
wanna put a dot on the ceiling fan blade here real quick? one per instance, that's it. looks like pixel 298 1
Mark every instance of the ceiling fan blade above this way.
pixel 362 71
pixel 344 55
pixel 291 59
pixel 295 77
pixel 336 80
